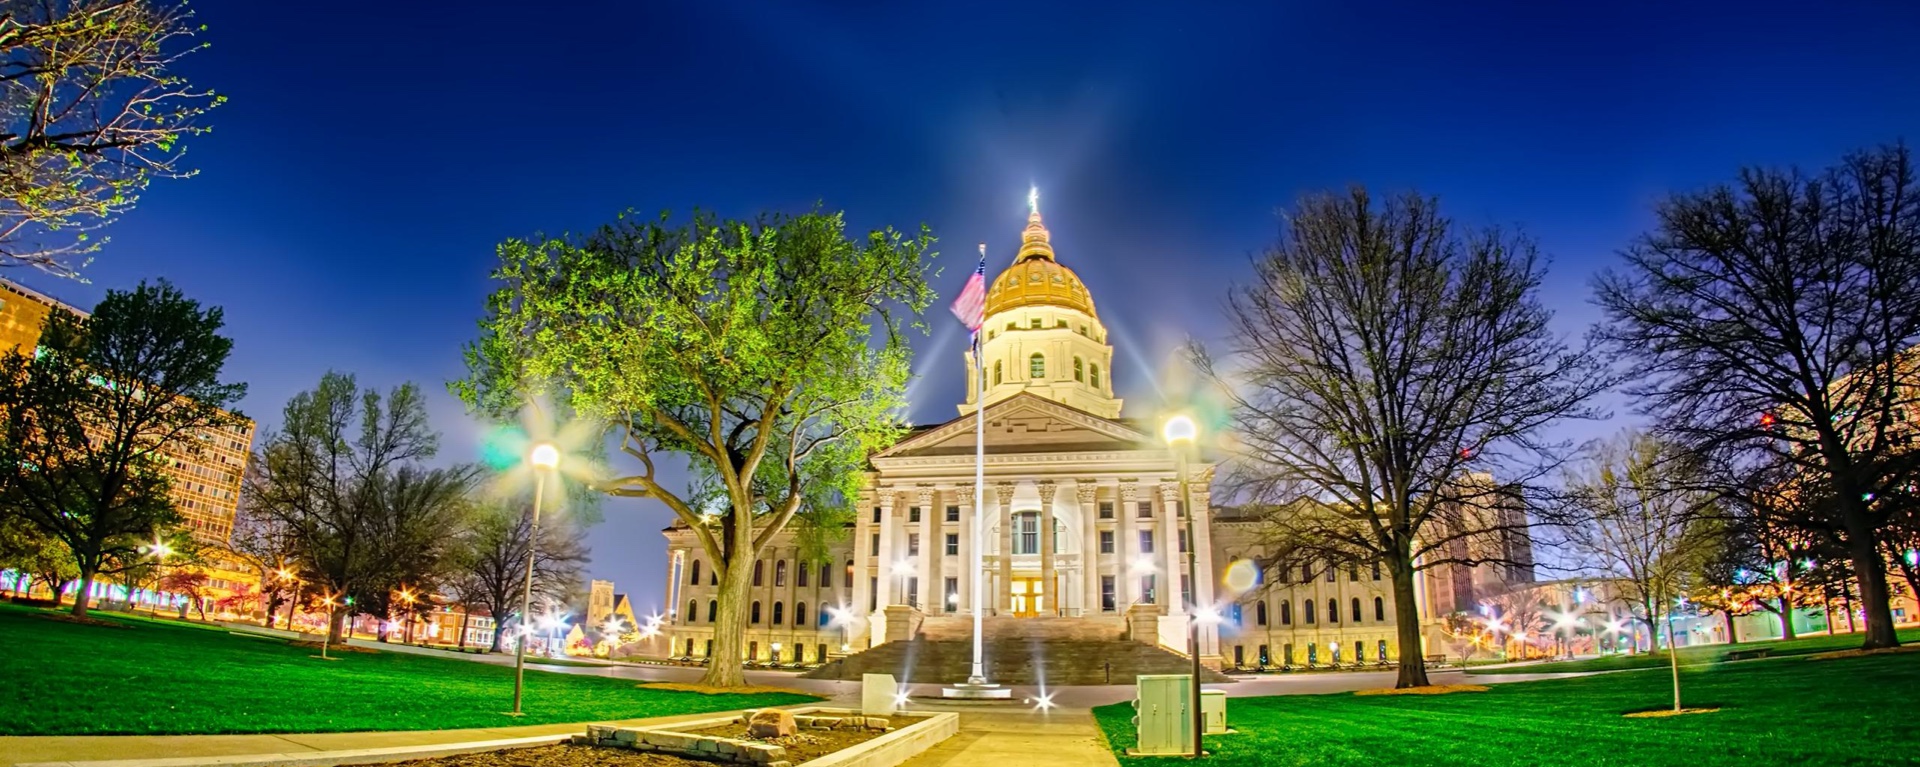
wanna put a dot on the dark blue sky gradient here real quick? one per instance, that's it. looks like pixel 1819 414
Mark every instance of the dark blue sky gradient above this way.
pixel 372 156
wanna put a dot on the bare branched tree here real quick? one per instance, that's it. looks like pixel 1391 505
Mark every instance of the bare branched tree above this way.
pixel 1769 321
pixel 1385 366
pixel 92 109
pixel 492 555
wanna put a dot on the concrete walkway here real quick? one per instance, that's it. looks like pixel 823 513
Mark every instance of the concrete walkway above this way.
pixel 79 748
pixel 999 736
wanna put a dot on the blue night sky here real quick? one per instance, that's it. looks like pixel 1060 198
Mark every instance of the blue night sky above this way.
pixel 353 190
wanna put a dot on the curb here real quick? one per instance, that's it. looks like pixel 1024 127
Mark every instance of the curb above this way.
pixel 322 758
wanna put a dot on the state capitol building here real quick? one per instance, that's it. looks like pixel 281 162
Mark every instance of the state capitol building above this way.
pixel 1084 530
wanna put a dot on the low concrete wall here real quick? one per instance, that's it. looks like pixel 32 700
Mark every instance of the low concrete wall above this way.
pixel 323 758
pixel 887 750
pixel 894 747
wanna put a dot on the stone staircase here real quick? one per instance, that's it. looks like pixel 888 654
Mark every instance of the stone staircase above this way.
pixel 1051 651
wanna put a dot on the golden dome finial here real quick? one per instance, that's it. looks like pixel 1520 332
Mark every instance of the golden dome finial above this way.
pixel 1035 241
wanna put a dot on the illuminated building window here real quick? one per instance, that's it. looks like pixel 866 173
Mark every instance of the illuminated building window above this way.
pixel 1037 366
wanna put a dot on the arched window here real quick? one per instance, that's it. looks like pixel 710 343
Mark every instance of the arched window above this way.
pixel 799 613
pixel 1306 605
pixel 1093 376
pixel 1356 609
pixel 780 573
pixel 756 613
pixel 1260 613
pixel 849 583
pixel 1379 609
pixel 1079 374
pixel 757 570
pixel 713 610
pixel 713 577
pixel 800 572
pixel 826 574
pixel 1286 612
pixel 693 611
pixel 1333 611
pixel 779 612
pixel 1037 366
pixel 996 373
pixel 695 580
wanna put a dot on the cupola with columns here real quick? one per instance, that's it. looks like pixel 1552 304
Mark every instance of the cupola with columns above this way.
pixel 1041 332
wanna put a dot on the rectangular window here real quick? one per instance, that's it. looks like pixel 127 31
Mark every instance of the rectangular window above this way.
pixel 1026 539
pixel 1106 541
pixel 950 593
pixel 873 593
pixel 1145 510
pixel 1353 573
pixel 1284 571
pixel 1146 541
pixel 913 544
pixel 876 515
pixel 1376 569
pixel 953 544
pixel 1333 573
pixel 913 591
pixel 1107 603
pixel 913 514
pixel 873 549
pixel 1146 590
pixel 1186 591
pixel 802 574
pixel 1183 541
pixel 1035 322
pixel 1106 509
pixel 953 513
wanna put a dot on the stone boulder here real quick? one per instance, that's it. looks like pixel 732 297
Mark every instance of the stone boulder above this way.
pixel 771 723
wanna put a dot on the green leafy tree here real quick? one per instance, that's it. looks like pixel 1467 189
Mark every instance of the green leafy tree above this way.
pixel 1770 321
pixel 769 353
pixel 91 419
pixel 93 107
pixel 32 555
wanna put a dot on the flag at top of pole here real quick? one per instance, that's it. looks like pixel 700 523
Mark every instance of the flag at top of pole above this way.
pixel 971 305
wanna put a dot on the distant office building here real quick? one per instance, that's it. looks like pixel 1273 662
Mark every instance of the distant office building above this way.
pixel 206 486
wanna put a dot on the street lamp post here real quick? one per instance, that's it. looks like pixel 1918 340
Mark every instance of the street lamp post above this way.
pixel 1180 434
pixel 544 457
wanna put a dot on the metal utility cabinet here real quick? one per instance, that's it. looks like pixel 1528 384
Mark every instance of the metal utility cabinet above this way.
pixel 1162 714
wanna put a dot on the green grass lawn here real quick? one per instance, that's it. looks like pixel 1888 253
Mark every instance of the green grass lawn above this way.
pixel 1852 711
pixel 167 677
pixel 1713 653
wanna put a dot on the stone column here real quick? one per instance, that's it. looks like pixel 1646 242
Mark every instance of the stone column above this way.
pixel 863 529
pixel 1169 550
pixel 964 494
pixel 1087 494
pixel 1049 586
pixel 1003 594
pixel 1129 549
pixel 932 560
pixel 883 570
pixel 1203 548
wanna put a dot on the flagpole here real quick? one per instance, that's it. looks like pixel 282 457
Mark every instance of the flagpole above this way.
pixel 979 675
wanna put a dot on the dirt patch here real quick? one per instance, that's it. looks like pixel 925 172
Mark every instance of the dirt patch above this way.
pixel 66 618
pixel 336 647
pixel 708 690
pixel 1432 689
pixel 1865 653
pixel 1666 712
pixel 805 745
pixel 558 756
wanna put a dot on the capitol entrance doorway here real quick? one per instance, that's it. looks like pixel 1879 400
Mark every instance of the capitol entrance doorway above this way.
pixel 1029 598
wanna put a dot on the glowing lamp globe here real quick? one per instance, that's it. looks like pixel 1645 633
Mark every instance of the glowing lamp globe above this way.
pixel 544 456
pixel 1180 429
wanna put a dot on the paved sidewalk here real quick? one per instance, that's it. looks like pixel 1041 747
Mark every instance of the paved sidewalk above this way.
pixel 75 748
pixel 990 736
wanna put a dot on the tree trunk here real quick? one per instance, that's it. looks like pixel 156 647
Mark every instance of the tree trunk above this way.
pixel 730 628
pixel 1786 618
pixel 1733 637
pixel 1406 616
pixel 335 621
pixel 80 596
pixel 465 613
pixel 1871 571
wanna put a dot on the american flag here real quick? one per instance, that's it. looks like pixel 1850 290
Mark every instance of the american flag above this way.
pixel 971 304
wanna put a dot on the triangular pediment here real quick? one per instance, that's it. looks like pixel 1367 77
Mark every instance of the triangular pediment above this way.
pixel 1024 423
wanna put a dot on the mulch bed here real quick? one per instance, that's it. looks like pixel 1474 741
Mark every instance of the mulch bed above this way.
pixel 336 647
pixel 802 746
pixel 1432 689
pixel 806 745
